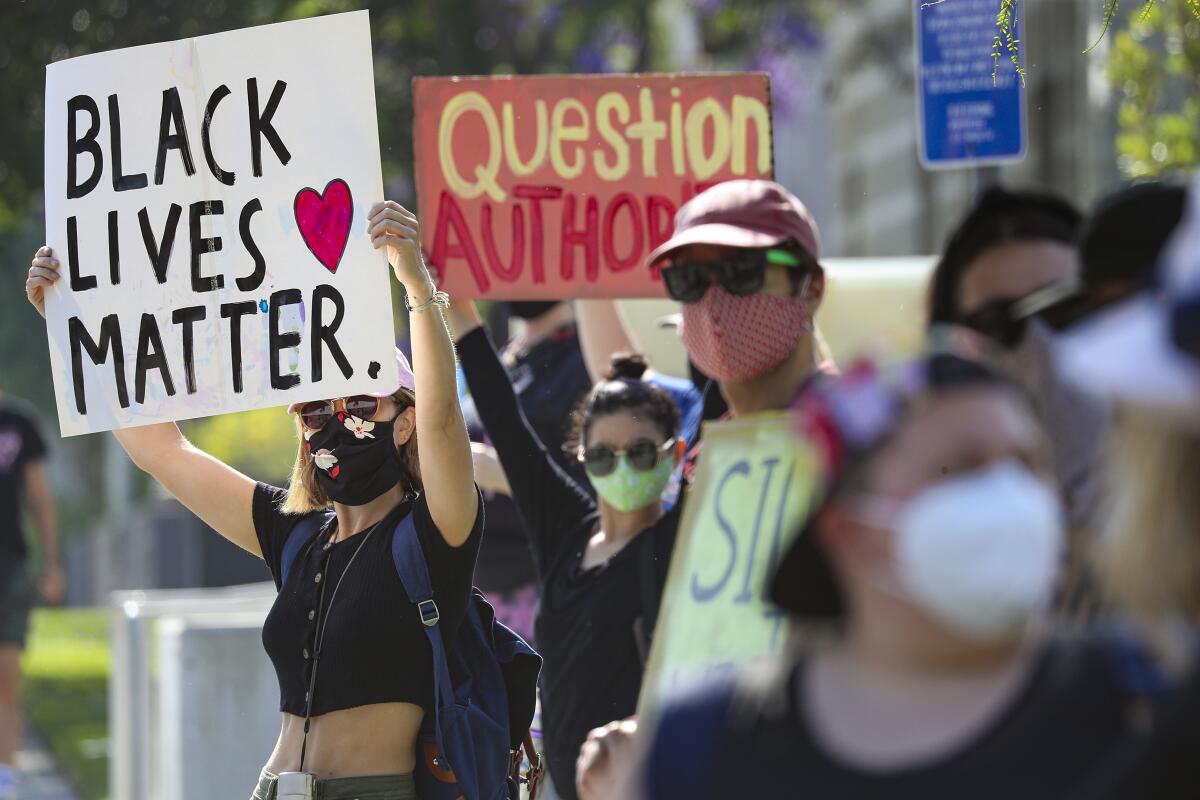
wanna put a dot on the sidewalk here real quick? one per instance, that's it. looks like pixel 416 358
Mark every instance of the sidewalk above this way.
pixel 40 776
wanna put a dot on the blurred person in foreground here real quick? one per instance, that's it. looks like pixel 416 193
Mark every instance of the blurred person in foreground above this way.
pixel 1021 268
pixel 1119 247
pixel 1144 355
pixel 22 477
pixel 930 560
pixel 1012 257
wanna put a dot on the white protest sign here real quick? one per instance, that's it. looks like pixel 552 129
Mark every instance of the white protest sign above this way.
pixel 207 202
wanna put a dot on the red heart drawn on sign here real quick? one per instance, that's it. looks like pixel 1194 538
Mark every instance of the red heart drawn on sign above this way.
pixel 324 221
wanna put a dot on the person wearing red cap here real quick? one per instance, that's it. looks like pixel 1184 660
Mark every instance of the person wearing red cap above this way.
pixel 743 261
pixel 354 693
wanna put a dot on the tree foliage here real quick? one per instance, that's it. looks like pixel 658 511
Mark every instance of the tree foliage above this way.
pixel 411 37
pixel 1155 68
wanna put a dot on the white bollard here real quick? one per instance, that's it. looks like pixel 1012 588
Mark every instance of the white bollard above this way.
pixel 134 737
pixel 217 708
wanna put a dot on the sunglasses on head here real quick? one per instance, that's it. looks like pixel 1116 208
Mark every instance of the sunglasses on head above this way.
pixel 740 274
pixel 317 414
pixel 1004 320
pixel 600 460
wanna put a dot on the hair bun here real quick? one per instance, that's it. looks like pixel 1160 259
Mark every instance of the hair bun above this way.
pixel 630 366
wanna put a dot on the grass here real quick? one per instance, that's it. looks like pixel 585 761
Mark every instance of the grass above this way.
pixel 66 692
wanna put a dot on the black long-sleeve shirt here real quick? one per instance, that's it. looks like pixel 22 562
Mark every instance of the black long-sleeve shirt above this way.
pixel 589 620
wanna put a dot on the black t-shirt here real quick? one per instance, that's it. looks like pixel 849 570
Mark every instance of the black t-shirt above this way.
pixel 1073 716
pixel 374 650
pixel 1168 767
pixel 20 444
pixel 588 622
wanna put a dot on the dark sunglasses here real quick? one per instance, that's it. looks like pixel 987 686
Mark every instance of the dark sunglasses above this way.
pixel 740 274
pixel 317 414
pixel 600 460
pixel 1004 321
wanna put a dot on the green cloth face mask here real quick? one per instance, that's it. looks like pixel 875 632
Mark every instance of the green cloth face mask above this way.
pixel 627 489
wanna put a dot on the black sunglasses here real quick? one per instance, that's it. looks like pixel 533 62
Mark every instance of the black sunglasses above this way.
pixel 317 414
pixel 740 274
pixel 1004 321
pixel 600 460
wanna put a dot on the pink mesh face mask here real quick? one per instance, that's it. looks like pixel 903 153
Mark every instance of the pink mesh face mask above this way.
pixel 734 338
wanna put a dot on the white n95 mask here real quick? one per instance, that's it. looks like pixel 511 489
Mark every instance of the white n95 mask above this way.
pixel 980 552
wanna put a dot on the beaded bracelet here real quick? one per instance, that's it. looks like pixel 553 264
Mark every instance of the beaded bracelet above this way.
pixel 438 298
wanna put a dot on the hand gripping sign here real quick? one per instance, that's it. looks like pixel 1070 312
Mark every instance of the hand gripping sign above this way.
pixel 207 200
pixel 559 186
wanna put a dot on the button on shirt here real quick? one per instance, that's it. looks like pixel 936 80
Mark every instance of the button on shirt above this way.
pixel 374 649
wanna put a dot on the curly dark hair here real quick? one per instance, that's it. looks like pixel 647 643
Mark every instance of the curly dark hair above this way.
pixel 624 389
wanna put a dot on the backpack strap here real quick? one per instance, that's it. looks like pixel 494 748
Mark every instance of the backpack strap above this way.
pixel 300 535
pixel 414 575
pixel 1142 679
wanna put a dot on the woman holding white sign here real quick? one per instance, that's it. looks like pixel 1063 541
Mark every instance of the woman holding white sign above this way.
pixel 355 669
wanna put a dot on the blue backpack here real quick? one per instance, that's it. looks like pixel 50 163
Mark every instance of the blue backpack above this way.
pixel 484 685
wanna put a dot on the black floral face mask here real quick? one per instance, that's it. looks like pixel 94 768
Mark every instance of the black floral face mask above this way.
pixel 356 459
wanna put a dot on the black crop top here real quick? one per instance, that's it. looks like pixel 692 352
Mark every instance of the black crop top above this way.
pixel 375 650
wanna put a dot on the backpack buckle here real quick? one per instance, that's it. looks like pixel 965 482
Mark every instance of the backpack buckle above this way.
pixel 429 613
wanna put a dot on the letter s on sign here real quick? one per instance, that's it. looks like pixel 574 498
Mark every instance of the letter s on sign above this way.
pixel 485 174
pixel 704 594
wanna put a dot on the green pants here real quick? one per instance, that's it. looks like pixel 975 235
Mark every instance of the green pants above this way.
pixel 366 787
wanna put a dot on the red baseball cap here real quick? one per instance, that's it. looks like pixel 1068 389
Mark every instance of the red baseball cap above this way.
pixel 407 381
pixel 742 213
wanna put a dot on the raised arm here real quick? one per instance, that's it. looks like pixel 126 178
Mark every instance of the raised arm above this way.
pixel 445 448
pixel 212 490
pixel 548 498
pixel 602 332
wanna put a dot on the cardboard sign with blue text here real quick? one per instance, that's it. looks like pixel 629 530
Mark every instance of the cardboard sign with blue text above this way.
pixel 207 202
pixel 752 488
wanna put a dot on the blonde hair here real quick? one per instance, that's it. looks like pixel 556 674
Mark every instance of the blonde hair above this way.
pixel 305 495
pixel 1149 553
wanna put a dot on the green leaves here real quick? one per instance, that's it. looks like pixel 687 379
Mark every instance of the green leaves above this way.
pixel 1110 13
pixel 1006 22
pixel 1155 68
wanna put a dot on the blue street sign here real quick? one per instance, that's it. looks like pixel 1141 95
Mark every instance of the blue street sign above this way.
pixel 965 117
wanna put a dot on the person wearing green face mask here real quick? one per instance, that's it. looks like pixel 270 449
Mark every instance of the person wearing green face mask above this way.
pixel 601 562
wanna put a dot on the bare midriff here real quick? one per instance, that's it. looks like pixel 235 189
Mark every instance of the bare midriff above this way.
pixel 378 739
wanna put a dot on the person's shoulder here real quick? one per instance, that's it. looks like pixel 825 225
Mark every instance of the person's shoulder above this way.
pixel 428 532
pixel 271 496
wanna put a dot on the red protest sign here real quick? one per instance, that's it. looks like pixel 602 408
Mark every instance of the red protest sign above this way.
pixel 558 186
